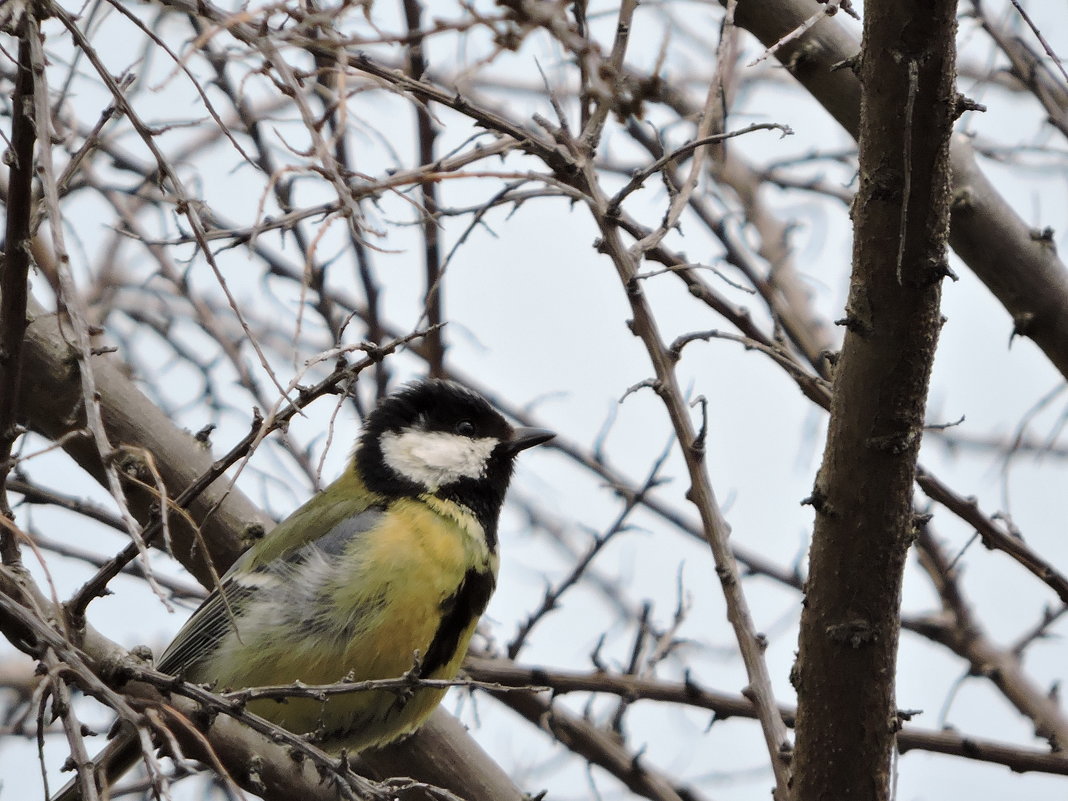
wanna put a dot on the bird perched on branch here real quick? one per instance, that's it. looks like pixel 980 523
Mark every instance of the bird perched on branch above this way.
pixel 387 569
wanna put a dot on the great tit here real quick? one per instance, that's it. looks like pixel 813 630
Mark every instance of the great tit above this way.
pixel 387 569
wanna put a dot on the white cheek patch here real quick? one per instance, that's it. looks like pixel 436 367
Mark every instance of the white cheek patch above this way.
pixel 436 458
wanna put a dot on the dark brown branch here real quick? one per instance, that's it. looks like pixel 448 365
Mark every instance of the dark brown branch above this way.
pixel 964 635
pixel 728 705
pixel 845 669
pixel 598 746
pixel 994 537
pixel 1029 67
pixel 1025 273
pixel 427 134
pixel 16 265
pixel 645 326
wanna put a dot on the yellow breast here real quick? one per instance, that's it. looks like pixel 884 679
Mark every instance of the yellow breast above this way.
pixel 407 592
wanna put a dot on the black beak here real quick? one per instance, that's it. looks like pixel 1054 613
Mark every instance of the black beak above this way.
pixel 523 438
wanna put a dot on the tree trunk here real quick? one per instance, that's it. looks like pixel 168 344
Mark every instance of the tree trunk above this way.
pixel 863 494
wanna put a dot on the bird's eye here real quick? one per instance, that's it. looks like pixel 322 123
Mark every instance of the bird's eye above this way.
pixel 465 428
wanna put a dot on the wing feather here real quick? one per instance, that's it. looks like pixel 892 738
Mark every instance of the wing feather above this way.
pixel 247 584
pixel 208 625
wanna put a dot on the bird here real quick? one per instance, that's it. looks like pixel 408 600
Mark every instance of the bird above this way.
pixel 382 574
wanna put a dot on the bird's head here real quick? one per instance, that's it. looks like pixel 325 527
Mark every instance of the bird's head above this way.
pixel 441 438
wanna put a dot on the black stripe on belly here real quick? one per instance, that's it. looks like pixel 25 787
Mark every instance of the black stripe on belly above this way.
pixel 458 611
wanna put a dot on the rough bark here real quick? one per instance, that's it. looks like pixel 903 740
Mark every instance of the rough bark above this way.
pixel 845 669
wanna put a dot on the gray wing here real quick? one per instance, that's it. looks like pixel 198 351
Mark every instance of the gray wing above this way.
pixel 208 625
pixel 202 633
